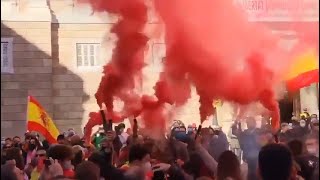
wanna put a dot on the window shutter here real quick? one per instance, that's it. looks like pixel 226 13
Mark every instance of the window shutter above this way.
pixel 6 55
pixel 85 55
pixel 88 54
pixel 79 55
pixel 2 57
pixel 92 55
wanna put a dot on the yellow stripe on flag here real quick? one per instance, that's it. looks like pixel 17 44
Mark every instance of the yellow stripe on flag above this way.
pixel 304 63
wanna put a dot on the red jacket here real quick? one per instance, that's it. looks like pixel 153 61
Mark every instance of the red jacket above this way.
pixel 69 173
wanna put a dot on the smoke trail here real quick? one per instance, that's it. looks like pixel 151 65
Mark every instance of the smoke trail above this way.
pixel 206 104
pixel 127 61
pixel 120 75
pixel 124 69
pixel 227 57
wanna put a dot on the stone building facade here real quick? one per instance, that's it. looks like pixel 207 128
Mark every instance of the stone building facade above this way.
pixel 54 50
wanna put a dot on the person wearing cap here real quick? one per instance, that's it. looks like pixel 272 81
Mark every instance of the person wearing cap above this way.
pixel 69 134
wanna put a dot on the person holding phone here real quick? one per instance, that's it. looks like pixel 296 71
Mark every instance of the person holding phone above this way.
pixel 38 163
pixel 52 170
pixel 98 137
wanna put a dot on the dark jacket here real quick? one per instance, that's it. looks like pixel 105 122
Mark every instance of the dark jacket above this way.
pixel 308 165
pixel 248 142
pixel 218 145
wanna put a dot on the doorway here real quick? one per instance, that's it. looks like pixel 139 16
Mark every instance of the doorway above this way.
pixel 288 105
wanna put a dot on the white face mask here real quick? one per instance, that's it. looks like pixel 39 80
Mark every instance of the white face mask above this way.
pixel 303 124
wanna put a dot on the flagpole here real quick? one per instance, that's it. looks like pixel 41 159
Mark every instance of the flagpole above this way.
pixel 27 112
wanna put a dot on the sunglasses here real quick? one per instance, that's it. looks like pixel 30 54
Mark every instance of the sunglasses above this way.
pixel 6 147
pixel 40 155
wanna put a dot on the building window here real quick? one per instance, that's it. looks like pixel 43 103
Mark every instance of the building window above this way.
pixel 88 54
pixel 6 55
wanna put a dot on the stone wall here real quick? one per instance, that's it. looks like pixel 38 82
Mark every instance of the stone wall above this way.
pixel 32 73
pixel 74 88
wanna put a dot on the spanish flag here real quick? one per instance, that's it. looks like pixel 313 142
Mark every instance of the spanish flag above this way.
pixel 303 72
pixel 39 121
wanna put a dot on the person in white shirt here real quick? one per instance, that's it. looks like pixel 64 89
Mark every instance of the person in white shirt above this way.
pixel 123 136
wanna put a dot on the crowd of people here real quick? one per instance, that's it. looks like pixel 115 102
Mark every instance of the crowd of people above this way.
pixel 184 153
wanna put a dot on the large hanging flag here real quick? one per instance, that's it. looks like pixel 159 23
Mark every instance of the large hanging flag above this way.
pixel 38 120
pixel 303 72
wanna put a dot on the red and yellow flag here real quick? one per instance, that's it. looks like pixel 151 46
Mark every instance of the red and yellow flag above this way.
pixel 39 121
pixel 303 72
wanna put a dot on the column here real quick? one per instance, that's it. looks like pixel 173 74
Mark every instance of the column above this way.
pixel 309 99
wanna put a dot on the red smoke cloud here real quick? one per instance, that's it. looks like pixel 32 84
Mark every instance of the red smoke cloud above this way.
pixel 209 44
pixel 215 48
pixel 124 69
